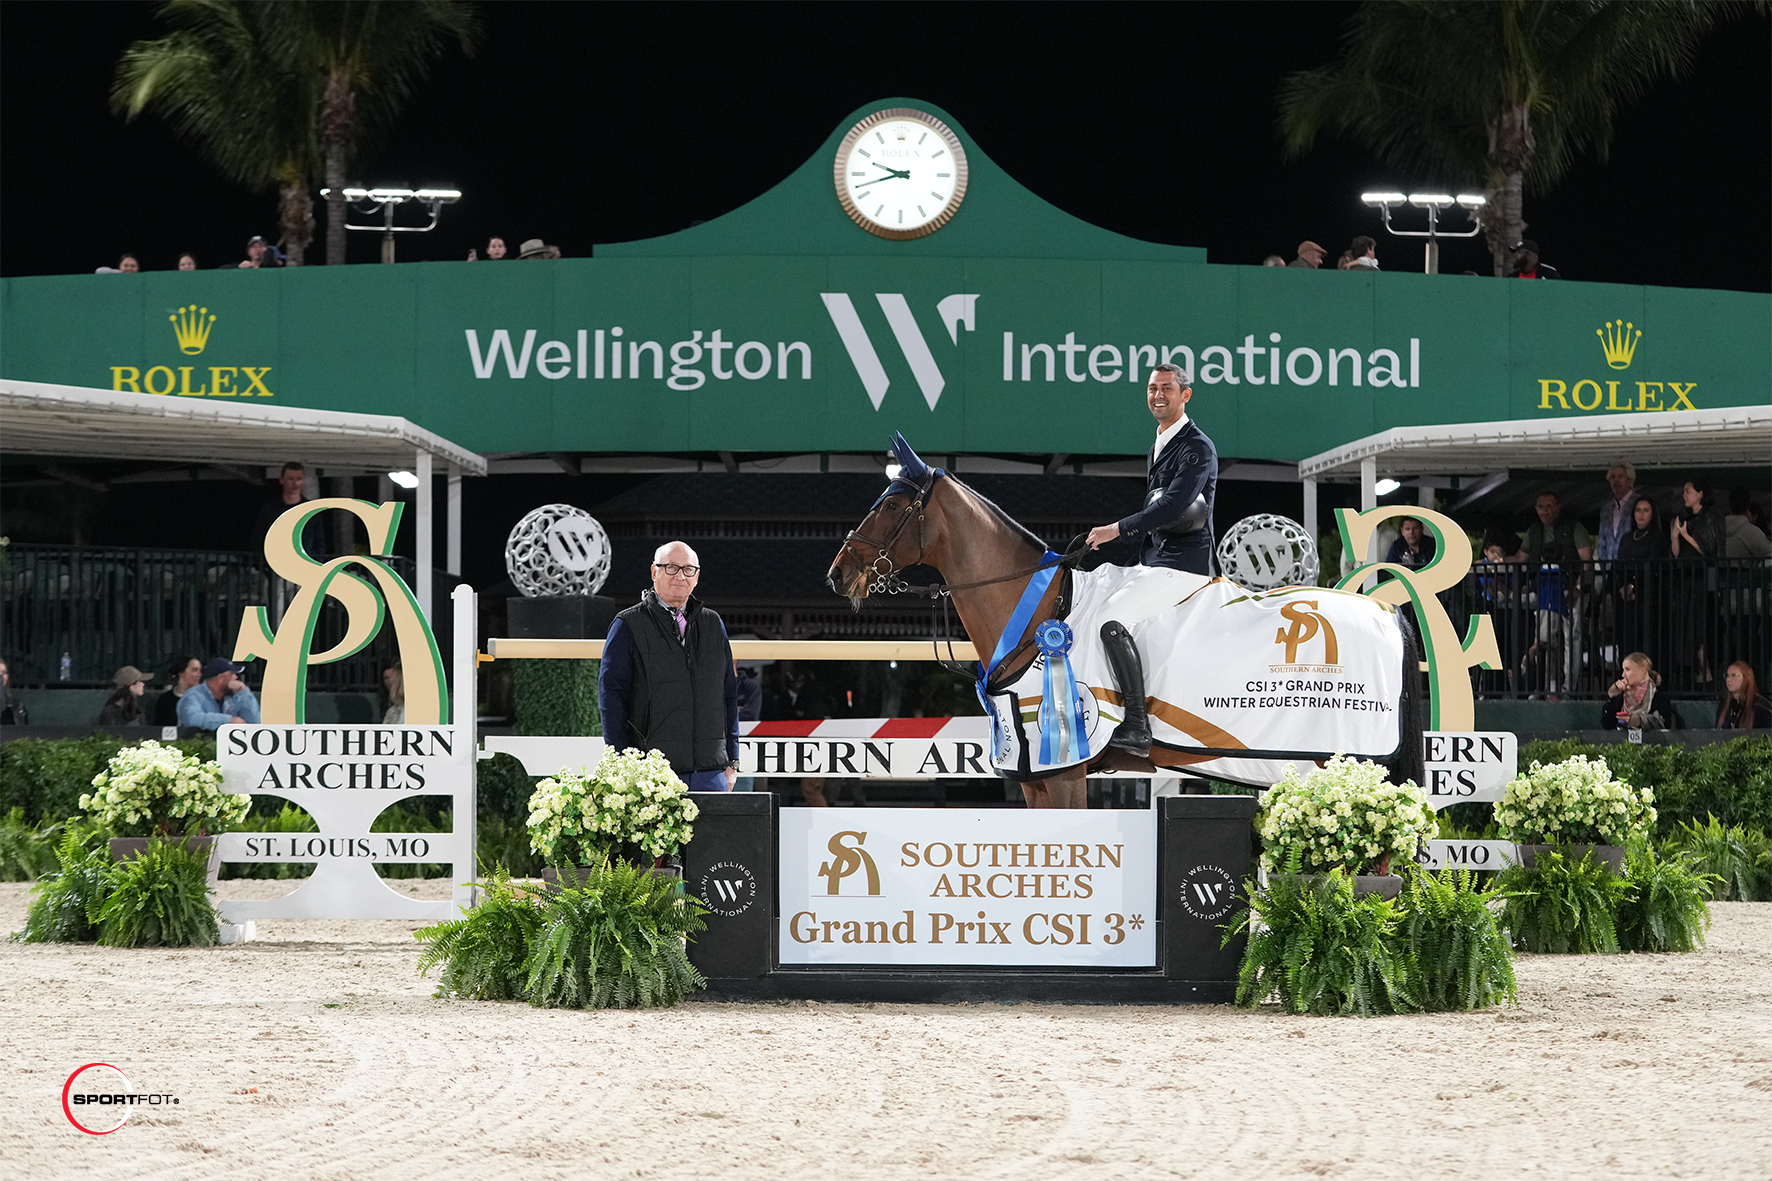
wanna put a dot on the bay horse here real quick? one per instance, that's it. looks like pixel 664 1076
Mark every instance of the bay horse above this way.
pixel 928 517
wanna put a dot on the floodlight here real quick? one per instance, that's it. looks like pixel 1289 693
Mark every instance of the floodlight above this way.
pixel 404 479
pixel 386 201
pixel 1386 486
pixel 1386 200
pixel 446 196
pixel 892 471
pixel 1430 200
pixel 1472 200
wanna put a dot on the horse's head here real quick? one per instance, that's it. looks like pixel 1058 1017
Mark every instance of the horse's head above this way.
pixel 895 532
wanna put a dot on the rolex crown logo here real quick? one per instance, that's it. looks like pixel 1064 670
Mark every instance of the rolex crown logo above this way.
pixel 192 325
pixel 1619 339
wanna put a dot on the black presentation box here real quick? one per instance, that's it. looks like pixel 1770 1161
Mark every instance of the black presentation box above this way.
pixel 561 617
pixel 730 866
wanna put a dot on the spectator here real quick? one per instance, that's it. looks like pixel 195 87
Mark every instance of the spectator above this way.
pixel 12 710
pixel 124 707
pixel 220 698
pixel 1414 548
pixel 1742 537
pixel 1555 548
pixel 1310 255
pixel 1631 700
pixel 1743 708
pixel 129 264
pixel 1640 552
pixel 667 682
pixel 394 681
pixel 1364 253
pixel 187 261
pixel 536 248
pixel 495 250
pixel 1526 264
pixel 260 253
pixel 187 671
pixel 1615 513
pixel 1273 260
pixel 750 709
pixel 1346 260
pixel 1696 535
pixel 292 484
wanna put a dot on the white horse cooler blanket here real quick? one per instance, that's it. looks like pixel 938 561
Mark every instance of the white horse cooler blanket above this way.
pixel 1297 672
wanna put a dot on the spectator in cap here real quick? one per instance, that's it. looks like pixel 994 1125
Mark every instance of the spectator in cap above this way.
pixel 260 253
pixel 1526 264
pixel 1364 254
pixel 221 698
pixel 536 248
pixel 124 707
pixel 1310 255
pixel 1273 260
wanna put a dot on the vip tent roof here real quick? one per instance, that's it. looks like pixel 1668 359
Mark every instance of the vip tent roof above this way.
pixel 42 419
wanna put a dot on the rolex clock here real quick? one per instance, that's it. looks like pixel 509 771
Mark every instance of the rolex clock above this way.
pixel 900 173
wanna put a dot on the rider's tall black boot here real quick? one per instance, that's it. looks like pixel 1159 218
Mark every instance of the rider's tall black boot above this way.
pixel 1133 734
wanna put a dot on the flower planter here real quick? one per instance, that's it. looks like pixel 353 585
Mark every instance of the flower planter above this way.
pixel 1612 855
pixel 129 848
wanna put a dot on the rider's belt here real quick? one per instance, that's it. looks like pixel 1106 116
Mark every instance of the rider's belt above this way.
pixel 1193 520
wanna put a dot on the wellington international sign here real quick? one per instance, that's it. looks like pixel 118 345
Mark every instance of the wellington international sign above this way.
pixel 785 325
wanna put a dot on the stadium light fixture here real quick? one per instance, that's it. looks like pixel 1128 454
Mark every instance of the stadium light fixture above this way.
pixel 1434 204
pixel 386 201
pixel 404 479
pixel 1386 486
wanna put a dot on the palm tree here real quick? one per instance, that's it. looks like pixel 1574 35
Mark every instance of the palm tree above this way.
pixel 1509 91
pixel 215 80
pixel 364 59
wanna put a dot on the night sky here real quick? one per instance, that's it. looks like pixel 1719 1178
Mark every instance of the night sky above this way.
pixel 587 123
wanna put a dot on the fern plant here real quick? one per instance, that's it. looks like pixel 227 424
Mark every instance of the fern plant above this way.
pixel 1449 933
pixel 65 905
pixel 1321 948
pixel 1739 858
pixel 616 941
pixel 159 899
pixel 1562 905
pixel 1667 908
pixel 482 954
pixel 27 851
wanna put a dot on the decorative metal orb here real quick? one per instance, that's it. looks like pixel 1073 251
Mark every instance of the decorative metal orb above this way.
pixel 558 549
pixel 1268 551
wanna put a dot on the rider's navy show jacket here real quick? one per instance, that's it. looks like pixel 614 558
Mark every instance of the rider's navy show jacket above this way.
pixel 1176 521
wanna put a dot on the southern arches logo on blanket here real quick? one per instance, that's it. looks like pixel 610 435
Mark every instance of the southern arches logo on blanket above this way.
pixel 1306 623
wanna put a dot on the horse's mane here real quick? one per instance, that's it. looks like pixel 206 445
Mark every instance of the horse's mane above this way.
pixel 998 512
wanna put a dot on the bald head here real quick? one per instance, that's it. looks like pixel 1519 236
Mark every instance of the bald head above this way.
pixel 675 572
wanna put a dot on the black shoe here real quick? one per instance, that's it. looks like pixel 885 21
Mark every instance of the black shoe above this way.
pixel 1134 733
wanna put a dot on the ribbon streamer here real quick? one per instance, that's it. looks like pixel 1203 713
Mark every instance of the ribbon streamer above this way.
pixel 1018 623
pixel 1063 737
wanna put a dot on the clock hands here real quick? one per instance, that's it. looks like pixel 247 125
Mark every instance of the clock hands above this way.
pixel 891 174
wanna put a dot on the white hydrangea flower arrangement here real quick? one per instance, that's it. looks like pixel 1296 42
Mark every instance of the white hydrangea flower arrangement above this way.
pixel 628 798
pixel 1574 802
pixel 1346 816
pixel 151 789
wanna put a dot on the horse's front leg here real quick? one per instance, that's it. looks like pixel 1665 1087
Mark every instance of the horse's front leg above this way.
pixel 1067 789
pixel 1035 793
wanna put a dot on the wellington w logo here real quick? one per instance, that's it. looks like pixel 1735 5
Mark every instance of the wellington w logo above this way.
pixel 1305 627
pixel 846 860
pixel 1619 342
pixel 728 888
pixel 955 310
pixel 1208 892
pixel 192 326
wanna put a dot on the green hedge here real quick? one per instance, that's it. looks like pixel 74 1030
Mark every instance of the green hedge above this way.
pixel 556 697
pixel 47 776
pixel 1729 780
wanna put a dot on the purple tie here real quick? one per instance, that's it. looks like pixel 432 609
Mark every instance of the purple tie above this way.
pixel 682 623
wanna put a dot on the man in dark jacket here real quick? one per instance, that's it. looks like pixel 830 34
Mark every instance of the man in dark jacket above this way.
pixel 1181 482
pixel 667 682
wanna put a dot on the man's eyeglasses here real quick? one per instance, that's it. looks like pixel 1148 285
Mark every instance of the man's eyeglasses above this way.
pixel 671 569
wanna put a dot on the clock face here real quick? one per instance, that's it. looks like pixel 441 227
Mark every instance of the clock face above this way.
pixel 900 173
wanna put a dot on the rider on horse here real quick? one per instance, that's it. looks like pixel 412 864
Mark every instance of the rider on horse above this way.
pixel 1181 480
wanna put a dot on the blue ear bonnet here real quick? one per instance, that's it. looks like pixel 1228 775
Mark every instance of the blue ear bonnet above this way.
pixel 915 478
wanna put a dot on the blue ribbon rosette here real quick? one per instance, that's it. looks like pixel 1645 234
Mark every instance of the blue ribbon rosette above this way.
pixel 1063 738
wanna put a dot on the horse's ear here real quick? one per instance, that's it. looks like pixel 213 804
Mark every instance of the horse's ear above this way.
pixel 911 466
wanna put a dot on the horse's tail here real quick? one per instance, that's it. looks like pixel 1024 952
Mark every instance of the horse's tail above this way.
pixel 1406 763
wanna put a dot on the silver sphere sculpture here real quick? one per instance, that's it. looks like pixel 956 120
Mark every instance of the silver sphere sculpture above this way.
pixel 558 549
pixel 1268 551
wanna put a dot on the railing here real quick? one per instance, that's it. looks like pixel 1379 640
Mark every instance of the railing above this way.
pixel 1563 630
pixel 108 607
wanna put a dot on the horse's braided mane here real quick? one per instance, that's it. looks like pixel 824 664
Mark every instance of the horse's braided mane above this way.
pixel 997 511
